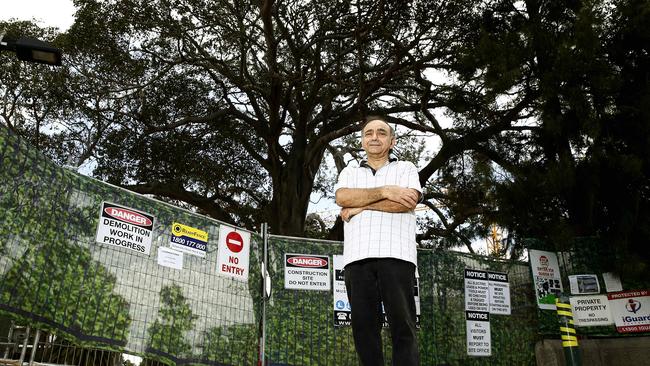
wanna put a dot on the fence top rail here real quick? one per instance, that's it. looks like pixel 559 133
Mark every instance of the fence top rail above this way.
pixel 298 238
pixel 77 174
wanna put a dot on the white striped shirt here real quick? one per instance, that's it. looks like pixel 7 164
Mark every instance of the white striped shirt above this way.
pixel 376 234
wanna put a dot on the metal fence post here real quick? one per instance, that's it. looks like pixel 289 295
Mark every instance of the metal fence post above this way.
pixel 572 354
pixel 9 340
pixel 265 236
pixel 34 347
pixel 24 350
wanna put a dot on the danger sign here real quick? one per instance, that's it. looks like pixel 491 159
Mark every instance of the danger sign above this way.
pixel 233 253
pixel 125 227
pixel 306 272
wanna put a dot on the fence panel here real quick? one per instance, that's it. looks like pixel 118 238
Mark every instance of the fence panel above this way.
pixel 301 327
pixel 54 275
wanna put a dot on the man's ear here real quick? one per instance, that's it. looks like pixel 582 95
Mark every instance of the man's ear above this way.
pixel 392 143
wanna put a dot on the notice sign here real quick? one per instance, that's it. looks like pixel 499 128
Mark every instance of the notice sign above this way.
pixel 499 293
pixel 612 282
pixel 125 227
pixel 477 296
pixel 342 308
pixel 546 276
pixel 233 253
pixel 584 284
pixel 479 342
pixel 170 258
pixel 590 311
pixel 189 240
pixel 306 272
pixel 631 310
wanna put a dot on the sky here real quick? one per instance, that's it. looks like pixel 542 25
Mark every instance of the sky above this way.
pixel 50 13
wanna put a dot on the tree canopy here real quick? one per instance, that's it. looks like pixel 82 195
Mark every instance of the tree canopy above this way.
pixel 536 107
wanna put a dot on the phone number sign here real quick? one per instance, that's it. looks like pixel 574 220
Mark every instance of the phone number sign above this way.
pixel 189 239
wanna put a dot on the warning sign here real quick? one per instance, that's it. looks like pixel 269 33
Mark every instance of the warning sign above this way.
pixel 342 309
pixel 233 253
pixel 591 310
pixel 189 240
pixel 125 227
pixel 306 272
pixel 631 310
pixel 546 276
pixel 477 296
pixel 479 342
pixel 499 293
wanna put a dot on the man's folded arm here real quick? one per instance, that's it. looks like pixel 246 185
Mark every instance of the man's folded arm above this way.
pixel 387 205
pixel 362 197
pixel 384 205
pixel 358 197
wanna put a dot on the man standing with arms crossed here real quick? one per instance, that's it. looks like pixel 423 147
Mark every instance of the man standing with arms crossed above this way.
pixel 378 199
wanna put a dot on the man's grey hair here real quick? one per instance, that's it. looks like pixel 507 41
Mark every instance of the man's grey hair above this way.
pixel 378 117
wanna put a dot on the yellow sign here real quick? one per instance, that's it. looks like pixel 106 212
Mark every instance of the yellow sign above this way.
pixel 188 231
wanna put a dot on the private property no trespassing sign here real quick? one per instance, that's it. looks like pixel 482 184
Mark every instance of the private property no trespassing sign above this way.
pixel 125 227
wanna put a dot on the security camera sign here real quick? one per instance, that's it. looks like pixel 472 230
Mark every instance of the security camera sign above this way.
pixel 233 253
pixel 546 276
pixel 631 310
pixel 125 227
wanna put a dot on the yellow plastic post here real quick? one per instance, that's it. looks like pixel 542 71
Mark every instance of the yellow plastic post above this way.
pixel 570 345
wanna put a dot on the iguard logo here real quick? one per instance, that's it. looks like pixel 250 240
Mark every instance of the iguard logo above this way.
pixel 633 306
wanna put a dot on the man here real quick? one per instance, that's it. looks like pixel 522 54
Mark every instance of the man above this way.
pixel 378 200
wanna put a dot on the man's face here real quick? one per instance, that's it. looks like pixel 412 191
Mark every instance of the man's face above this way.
pixel 376 139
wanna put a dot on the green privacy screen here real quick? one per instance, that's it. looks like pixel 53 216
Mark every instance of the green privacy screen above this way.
pixel 55 275
pixel 53 272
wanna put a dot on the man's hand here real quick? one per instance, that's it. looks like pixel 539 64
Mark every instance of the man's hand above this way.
pixel 348 212
pixel 406 196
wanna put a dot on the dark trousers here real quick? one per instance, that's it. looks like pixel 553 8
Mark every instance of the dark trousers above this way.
pixel 370 281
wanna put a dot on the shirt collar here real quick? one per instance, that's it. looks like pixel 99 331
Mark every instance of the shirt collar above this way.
pixel 364 164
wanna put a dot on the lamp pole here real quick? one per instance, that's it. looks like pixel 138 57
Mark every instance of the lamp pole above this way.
pixel 31 49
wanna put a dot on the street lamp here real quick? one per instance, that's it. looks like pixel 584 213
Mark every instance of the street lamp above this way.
pixel 32 50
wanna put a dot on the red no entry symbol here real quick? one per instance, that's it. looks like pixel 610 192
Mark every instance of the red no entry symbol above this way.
pixel 234 242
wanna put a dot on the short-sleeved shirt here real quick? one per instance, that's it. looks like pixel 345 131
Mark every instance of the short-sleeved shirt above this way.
pixel 376 234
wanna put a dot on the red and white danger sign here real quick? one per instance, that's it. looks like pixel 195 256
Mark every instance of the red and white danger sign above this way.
pixel 125 227
pixel 233 253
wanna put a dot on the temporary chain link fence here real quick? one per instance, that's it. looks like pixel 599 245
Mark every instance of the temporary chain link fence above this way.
pixel 86 297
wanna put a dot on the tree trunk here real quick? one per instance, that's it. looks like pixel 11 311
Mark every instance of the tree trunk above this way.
pixel 292 188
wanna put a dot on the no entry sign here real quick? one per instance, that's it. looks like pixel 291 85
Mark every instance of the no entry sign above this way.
pixel 234 241
pixel 233 253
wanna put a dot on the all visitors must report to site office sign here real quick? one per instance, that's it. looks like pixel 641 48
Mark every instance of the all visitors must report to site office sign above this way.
pixel 125 227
